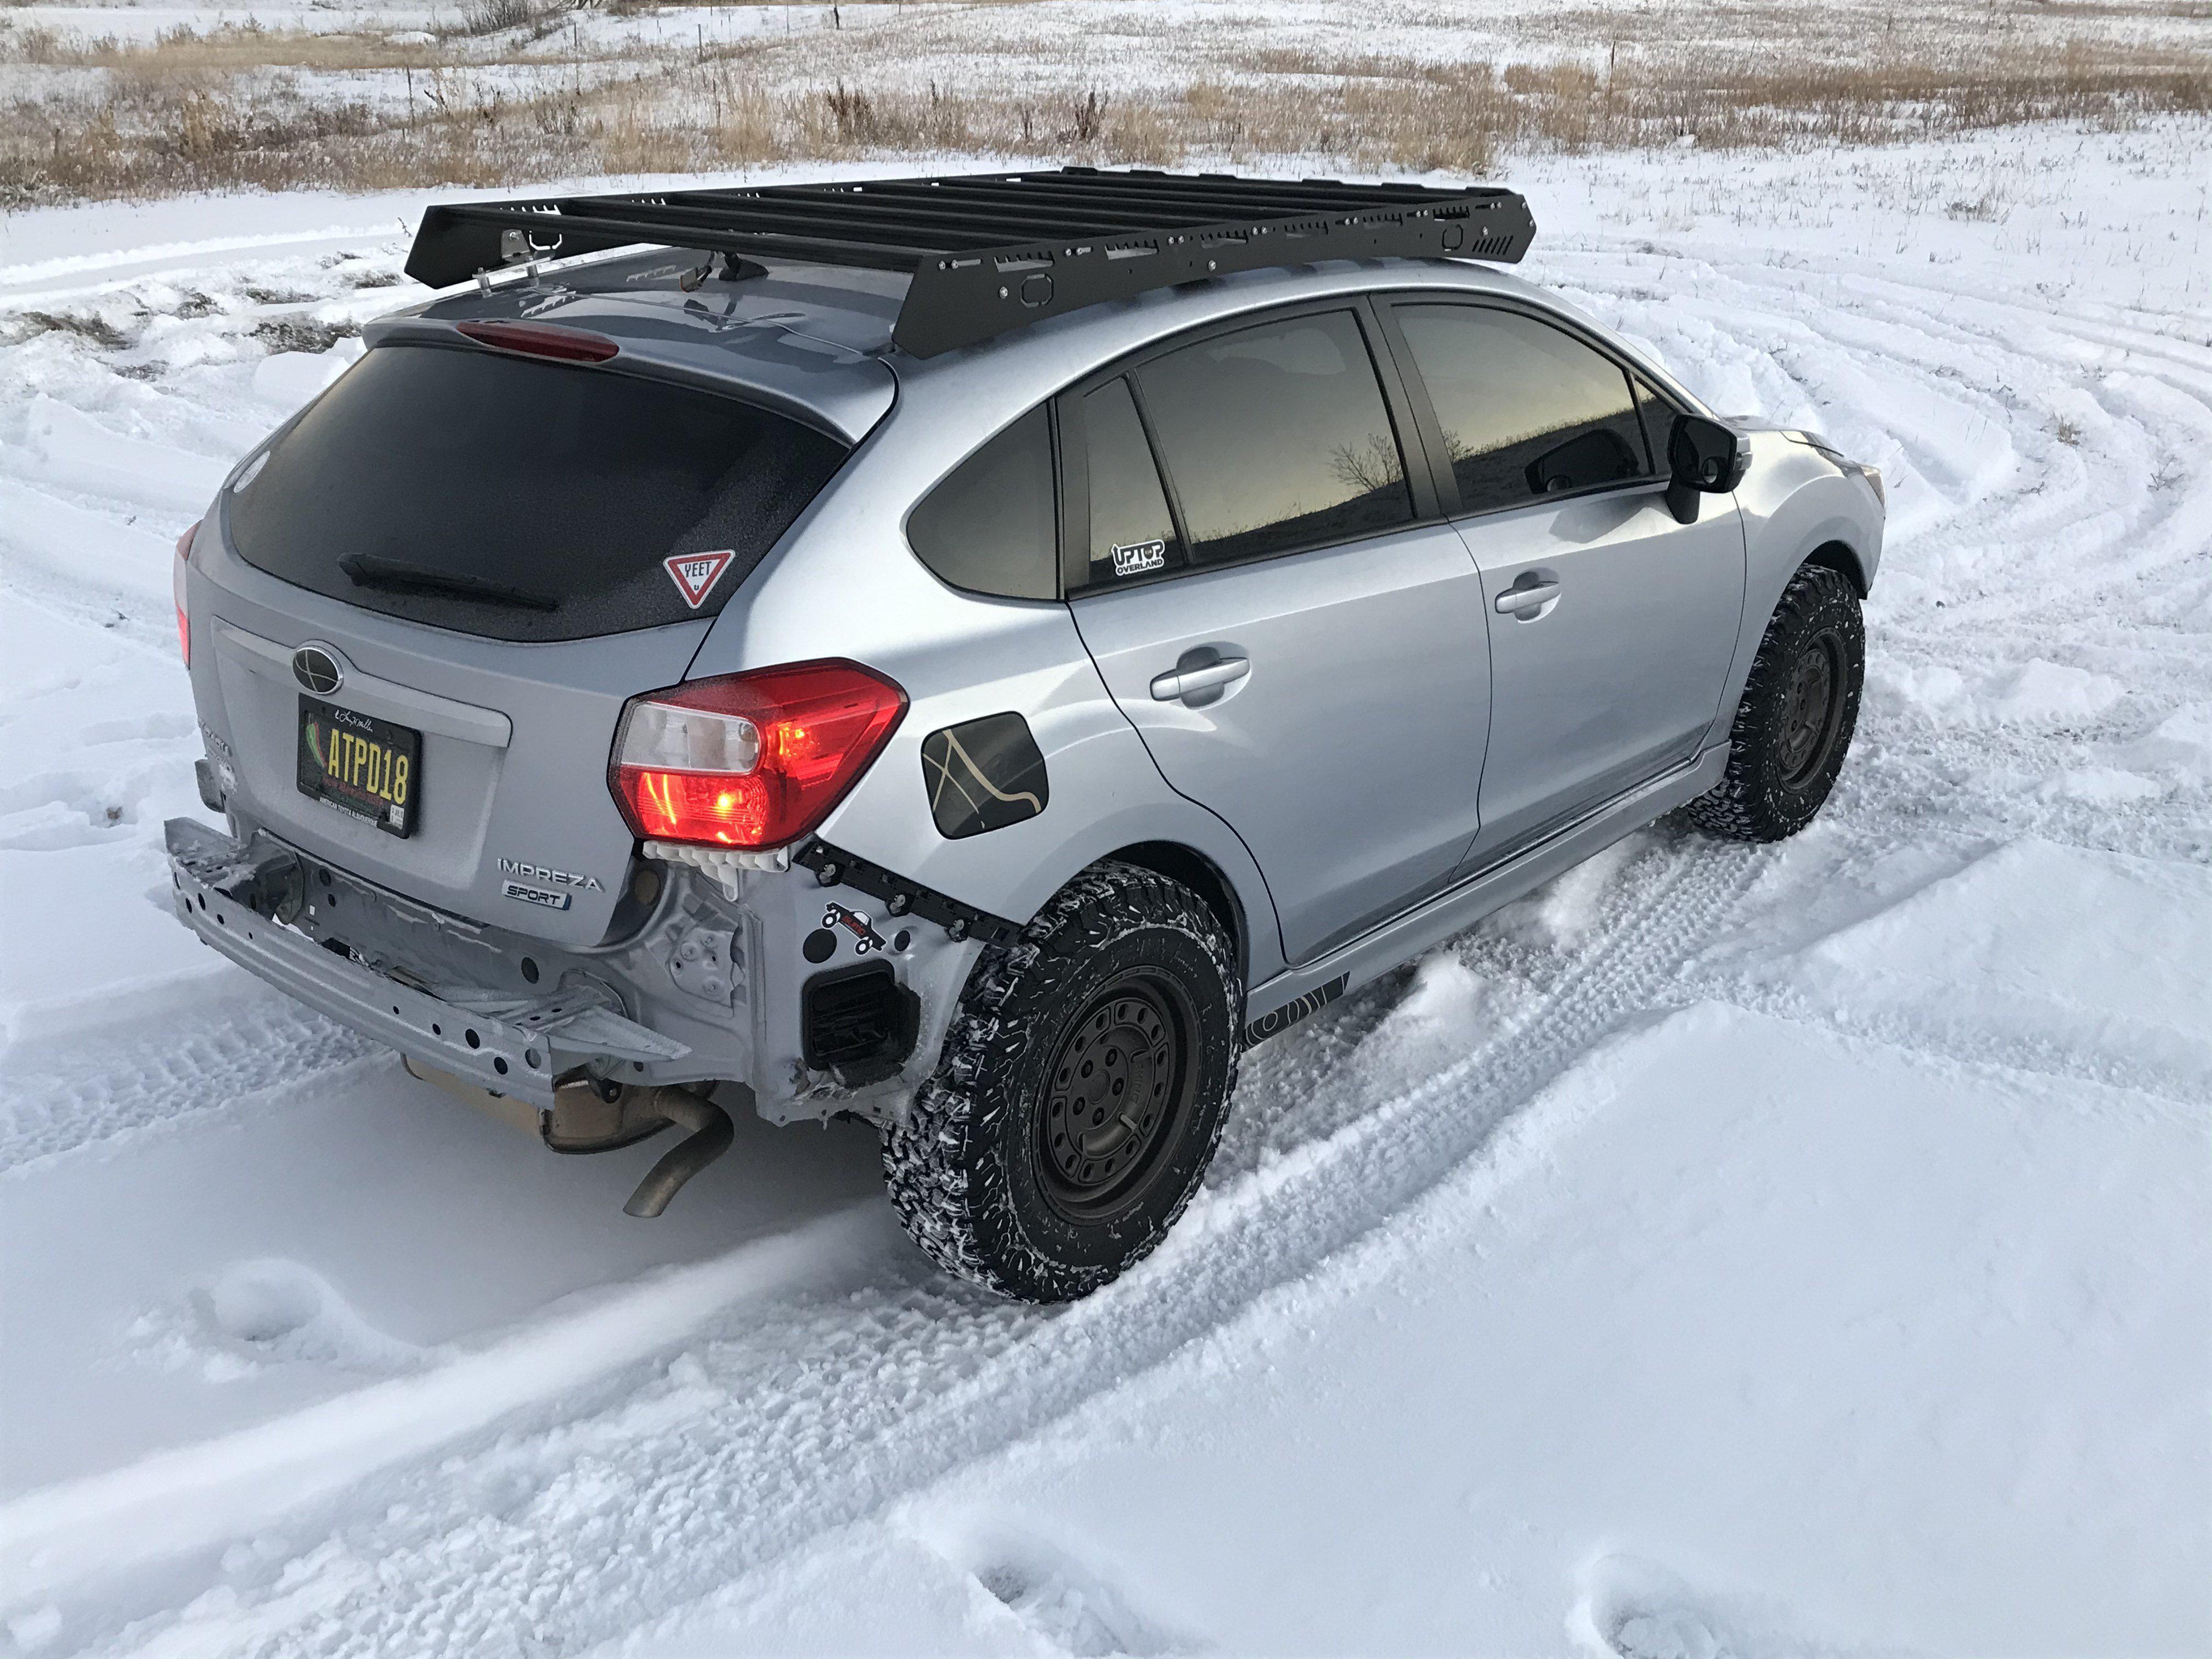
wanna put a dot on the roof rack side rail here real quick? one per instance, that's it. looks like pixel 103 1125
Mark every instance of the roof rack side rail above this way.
pixel 991 253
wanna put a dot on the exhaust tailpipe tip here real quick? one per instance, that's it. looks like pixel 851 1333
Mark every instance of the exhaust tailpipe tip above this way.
pixel 711 1133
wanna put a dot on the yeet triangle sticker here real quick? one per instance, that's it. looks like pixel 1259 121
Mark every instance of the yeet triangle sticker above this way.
pixel 695 573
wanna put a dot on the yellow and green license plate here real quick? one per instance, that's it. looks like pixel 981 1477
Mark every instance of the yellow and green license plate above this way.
pixel 366 766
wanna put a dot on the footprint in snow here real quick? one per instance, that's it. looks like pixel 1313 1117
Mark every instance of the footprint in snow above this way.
pixel 1636 1609
pixel 1077 1613
pixel 275 1311
pixel 1071 1609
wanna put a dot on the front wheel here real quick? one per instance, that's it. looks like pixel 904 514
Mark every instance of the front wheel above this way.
pixel 1082 1089
pixel 1801 705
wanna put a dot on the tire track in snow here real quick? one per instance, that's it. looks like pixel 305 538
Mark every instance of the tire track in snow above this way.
pixel 148 1073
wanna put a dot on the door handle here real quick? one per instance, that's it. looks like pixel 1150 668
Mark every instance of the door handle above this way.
pixel 1515 601
pixel 1170 688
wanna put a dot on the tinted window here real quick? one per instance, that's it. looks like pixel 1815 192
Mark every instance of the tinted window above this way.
pixel 1277 437
pixel 991 526
pixel 1131 532
pixel 522 498
pixel 1526 409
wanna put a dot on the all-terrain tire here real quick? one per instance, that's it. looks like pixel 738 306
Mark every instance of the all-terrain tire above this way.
pixel 1801 705
pixel 1080 1093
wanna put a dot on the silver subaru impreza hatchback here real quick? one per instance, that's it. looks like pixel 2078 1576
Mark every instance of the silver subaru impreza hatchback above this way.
pixel 974 654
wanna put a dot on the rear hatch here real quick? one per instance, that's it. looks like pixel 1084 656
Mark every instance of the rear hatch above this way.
pixel 484 555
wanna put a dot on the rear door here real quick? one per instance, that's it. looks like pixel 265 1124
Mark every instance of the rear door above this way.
pixel 1278 609
pixel 1612 626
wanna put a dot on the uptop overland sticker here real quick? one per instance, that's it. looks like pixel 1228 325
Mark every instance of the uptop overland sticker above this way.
pixel 982 775
pixel 695 573
pixel 1138 557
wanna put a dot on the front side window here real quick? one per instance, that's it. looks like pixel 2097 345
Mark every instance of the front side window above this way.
pixel 1527 411
pixel 1276 437
pixel 1132 531
pixel 991 526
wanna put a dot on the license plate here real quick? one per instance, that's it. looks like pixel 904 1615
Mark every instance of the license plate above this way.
pixel 366 766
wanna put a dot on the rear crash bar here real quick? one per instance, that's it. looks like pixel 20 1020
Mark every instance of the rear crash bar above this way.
pixel 232 893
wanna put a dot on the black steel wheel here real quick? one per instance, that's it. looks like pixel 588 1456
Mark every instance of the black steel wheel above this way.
pixel 1118 1091
pixel 1081 1091
pixel 1799 707
pixel 1812 708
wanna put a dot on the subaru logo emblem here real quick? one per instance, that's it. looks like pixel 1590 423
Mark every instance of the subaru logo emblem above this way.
pixel 318 670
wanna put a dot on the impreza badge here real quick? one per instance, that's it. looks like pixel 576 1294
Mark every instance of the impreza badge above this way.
pixel 552 877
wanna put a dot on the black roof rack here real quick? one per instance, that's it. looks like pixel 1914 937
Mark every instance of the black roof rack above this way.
pixel 992 252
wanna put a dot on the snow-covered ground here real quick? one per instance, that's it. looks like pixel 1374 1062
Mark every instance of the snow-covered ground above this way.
pixel 1797 1250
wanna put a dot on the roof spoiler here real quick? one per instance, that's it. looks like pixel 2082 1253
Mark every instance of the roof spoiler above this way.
pixel 993 253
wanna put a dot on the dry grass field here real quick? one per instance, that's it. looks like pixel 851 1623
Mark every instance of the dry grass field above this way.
pixel 502 92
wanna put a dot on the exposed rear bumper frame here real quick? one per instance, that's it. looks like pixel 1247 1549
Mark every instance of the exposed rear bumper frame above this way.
pixel 518 1048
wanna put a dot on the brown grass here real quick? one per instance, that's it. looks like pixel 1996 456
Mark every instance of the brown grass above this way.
pixel 222 111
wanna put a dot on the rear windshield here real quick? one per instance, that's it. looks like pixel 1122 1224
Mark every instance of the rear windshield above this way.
pixel 526 499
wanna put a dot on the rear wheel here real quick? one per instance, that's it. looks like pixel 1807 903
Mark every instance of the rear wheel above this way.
pixel 1799 707
pixel 1081 1091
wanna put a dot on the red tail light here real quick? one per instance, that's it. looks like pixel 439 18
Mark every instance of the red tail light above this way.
pixel 749 760
pixel 177 587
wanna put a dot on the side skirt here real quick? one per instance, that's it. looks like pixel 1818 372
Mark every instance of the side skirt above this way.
pixel 1296 993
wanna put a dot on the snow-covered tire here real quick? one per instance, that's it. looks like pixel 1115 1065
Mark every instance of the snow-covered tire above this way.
pixel 1801 705
pixel 1123 995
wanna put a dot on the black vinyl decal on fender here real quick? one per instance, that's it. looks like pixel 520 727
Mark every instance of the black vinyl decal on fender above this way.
pixel 982 775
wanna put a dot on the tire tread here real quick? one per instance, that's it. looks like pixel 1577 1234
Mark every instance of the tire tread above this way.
pixel 941 1191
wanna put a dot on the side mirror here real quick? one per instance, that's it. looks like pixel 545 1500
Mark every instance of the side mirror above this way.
pixel 1704 458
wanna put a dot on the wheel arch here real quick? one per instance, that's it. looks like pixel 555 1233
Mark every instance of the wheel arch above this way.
pixel 1842 558
pixel 1186 865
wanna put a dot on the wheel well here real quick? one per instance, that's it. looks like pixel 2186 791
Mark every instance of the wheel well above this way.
pixel 1198 872
pixel 1839 558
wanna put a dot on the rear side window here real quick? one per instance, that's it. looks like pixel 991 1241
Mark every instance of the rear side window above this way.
pixel 524 500
pixel 992 527
pixel 1132 531
pixel 1277 437
pixel 1527 411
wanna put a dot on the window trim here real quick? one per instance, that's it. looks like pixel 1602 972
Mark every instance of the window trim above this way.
pixel 1433 434
pixel 1075 507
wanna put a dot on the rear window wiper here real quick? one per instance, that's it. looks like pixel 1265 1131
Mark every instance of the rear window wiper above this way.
pixel 398 577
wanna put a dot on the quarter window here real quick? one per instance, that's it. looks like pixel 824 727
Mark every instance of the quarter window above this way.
pixel 991 526
pixel 1527 409
pixel 1276 437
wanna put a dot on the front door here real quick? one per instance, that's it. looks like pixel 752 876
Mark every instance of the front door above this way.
pixel 1612 626
pixel 1302 655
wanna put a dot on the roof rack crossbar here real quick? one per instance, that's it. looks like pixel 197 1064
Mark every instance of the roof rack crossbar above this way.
pixel 951 211
pixel 590 229
pixel 1213 190
pixel 991 253
pixel 1047 215
pixel 1083 214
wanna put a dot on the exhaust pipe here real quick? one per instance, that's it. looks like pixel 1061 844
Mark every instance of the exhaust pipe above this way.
pixel 584 1120
pixel 710 1136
